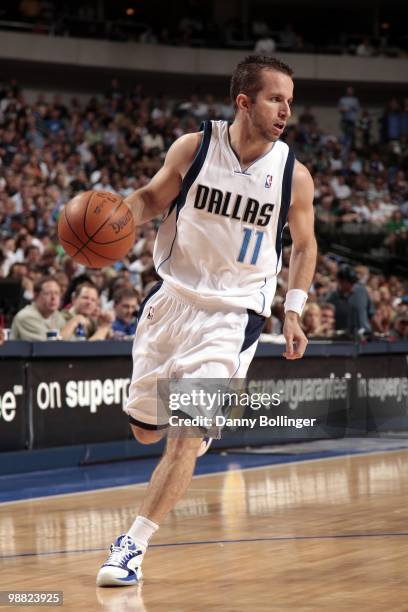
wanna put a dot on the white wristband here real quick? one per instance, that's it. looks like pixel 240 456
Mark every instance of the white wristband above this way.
pixel 295 300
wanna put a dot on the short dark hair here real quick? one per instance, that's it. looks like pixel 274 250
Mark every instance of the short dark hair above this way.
pixel 246 76
pixel 327 306
pixel 38 285
pixel 347 273
pixel 81 286
pixel 124 294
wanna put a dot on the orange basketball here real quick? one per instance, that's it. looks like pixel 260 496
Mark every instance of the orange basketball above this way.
pixel 96 228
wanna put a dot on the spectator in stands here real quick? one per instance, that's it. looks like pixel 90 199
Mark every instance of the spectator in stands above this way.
pixel 63 281
pixel 363 274
pixel 391 121
pixel 265 46
pixel 35 320
pixel 349 109
pixel 19 272
pixel 364 125
pixel 288 38
pixel 340 187
pixel 361 208
pixel 364 49
pixel 84 318
pixel 395 222
pixel 311 320
pixel 307 117
pixel 351 300
pixel 400 328
pixel 125 304
pixel 382 319
pixel 326 211
pixel 346 213
pixel 328 319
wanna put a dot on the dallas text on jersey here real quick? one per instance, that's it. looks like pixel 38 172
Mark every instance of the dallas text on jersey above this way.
pixel 248 210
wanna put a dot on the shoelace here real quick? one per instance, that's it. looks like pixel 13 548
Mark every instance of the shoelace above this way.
pixel 119 555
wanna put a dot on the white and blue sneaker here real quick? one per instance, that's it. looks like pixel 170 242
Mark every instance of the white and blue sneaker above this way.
pixel 123 565
pixel 204 446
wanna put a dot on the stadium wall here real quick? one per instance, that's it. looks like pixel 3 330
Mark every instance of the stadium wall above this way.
pixel 193 61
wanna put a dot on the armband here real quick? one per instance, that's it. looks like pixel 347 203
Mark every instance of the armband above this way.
pixel 295 300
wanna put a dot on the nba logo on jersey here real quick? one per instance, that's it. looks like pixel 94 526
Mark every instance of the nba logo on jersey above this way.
pixel 150 313
pixel 268 181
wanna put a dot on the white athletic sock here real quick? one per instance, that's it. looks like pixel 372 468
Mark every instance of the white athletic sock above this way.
pixel 141 531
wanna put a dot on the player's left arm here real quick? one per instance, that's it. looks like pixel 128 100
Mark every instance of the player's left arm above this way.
pixel 302 260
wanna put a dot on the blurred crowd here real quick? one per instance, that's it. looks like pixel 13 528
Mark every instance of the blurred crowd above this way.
pixel 361 182
pixel 50 150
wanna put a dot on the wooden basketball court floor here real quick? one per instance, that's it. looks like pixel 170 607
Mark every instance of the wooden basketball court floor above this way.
pixel 325 534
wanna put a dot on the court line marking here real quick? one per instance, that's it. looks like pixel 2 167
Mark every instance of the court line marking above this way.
pixel 234 541
pixel 343 455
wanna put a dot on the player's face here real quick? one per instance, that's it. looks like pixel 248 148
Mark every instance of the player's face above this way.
pixel 270 111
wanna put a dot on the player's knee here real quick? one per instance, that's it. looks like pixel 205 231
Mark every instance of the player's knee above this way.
pixel 146 436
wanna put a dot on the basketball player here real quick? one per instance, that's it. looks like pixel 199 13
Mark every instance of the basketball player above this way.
pixel 227 193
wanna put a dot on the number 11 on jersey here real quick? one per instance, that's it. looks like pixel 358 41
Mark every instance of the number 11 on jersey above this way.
pixel 245 245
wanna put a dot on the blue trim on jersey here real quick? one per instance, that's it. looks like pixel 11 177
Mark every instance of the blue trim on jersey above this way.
pixel 253 329
pixel 189 179
pixel 172 207
pixel 196 166
pixel 285 203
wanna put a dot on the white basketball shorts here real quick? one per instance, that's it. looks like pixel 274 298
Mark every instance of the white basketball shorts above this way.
pixel 177 338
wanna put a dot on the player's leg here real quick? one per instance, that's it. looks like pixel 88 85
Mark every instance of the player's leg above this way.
pixel 171 478
pixel 167 485
pixel 217 353
pixel 173 474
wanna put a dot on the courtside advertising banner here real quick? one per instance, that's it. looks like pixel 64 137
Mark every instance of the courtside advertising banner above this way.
pixel 380 401
pixel 46 403
pixel 78 401
pixel 13 406
pixel 278 401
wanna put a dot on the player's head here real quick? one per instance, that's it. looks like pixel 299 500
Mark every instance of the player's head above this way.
pixel 262 93
pixel 47 296
pixel 124 304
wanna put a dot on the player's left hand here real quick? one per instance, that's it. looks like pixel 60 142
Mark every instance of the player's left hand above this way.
pixel 296 341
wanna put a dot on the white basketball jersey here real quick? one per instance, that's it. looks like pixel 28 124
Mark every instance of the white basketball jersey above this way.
pixel 221 241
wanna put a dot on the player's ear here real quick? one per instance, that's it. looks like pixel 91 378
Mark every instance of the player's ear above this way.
pixel 243 102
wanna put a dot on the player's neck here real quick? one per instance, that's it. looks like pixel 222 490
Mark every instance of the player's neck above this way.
pixel 246 143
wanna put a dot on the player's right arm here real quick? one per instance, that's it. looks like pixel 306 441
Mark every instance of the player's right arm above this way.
pixel 152 200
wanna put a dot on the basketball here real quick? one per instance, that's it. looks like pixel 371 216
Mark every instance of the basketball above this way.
pixel 96 228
